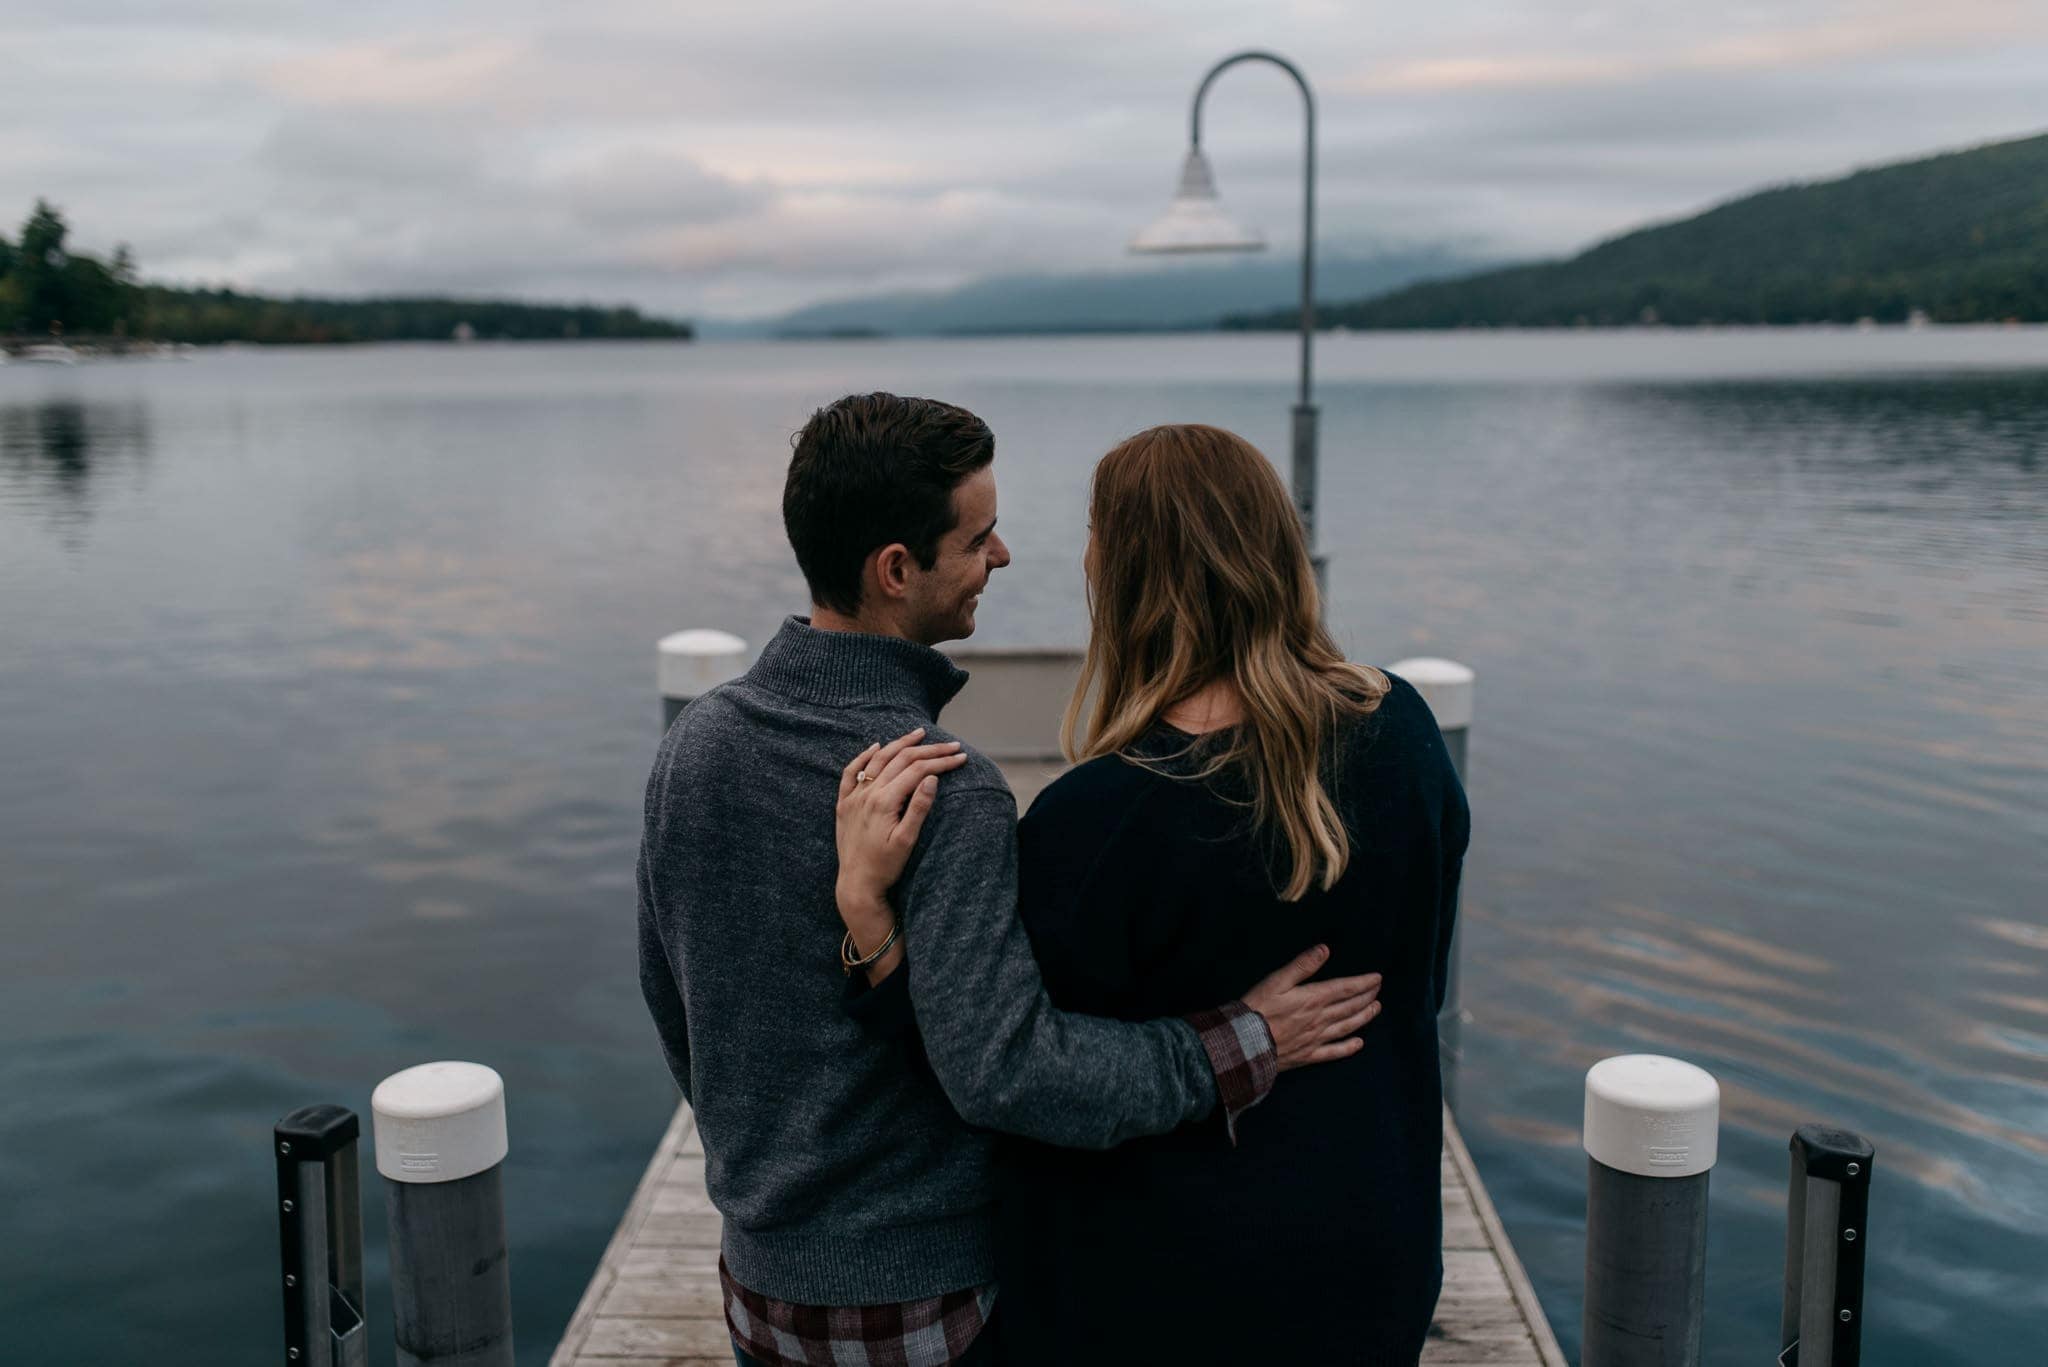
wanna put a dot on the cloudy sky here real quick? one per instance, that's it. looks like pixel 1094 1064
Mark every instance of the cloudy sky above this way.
pixel 700 157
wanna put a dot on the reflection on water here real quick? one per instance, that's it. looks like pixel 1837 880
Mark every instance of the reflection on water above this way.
pixel 415 608
pixel 50 452
pixel 323 755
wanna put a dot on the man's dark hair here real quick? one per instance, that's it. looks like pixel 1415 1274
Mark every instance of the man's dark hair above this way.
pixel 870 470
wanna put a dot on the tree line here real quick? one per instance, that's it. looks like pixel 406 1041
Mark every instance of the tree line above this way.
pixel 45 288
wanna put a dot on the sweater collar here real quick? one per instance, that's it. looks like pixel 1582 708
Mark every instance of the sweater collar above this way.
pixel 850 669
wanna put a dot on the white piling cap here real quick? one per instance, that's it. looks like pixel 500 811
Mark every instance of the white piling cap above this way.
pixel 695 662
pixel 1445 685
pixel 439 1122
pixel 1652 1116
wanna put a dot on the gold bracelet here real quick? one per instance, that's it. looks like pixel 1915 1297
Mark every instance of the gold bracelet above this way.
pixel 848 950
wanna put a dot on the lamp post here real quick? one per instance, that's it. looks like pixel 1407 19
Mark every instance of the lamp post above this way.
pixel 1195 222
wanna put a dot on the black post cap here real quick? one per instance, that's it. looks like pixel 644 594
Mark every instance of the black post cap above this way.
pixel 1829 1153
pixel 318 1132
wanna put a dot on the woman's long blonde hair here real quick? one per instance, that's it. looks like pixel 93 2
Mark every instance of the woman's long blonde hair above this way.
pixel 1200 572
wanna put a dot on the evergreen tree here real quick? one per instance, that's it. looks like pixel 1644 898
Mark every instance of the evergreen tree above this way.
pixel 10 289
pixel 41 267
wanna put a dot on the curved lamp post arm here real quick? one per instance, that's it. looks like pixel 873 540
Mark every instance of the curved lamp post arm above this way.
pixel 1308 197
pixel 1304 411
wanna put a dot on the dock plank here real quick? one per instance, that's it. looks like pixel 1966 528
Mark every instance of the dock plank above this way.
pixel 616 1336
pixel 654 1300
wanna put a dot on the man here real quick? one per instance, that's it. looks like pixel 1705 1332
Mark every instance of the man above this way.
pixel 853 1171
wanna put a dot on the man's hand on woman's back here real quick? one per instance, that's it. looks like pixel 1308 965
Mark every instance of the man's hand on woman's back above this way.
pixel 1314 1022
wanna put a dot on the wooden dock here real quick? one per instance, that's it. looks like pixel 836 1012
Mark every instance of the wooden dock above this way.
pixel 654 1300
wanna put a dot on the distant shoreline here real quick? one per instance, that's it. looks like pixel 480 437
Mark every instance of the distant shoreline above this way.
pixel 102 347
pixel 26 349
pixel 719 333
pixel 63 304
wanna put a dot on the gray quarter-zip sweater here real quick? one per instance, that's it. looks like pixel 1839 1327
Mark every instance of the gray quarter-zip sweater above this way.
pixel 850 1167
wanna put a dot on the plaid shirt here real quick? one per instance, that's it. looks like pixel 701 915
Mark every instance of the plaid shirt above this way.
pixel 936 1331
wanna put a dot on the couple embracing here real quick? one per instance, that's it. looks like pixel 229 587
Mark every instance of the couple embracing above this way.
pixel 976 1090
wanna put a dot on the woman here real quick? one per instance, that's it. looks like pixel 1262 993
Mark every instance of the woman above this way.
pixel 1241 791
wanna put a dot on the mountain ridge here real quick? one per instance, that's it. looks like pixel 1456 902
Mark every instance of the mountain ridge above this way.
pixel 1184 297
pixel 1959 236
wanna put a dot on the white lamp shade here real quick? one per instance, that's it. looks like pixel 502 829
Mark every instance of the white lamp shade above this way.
pixel 1195 221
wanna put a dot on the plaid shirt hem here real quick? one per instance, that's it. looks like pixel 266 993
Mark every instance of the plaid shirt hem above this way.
pixel 1242 1053
pixel 924 1333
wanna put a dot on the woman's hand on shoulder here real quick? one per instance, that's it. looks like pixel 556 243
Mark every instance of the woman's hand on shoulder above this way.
pixel 885 793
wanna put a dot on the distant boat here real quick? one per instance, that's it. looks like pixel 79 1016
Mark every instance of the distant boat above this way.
pixel 163 351
pixel 47 353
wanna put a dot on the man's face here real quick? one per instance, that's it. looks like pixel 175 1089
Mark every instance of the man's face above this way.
pixel 942 599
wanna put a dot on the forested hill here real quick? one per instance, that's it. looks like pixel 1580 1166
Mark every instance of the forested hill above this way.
pixel 1962 237
pixel 47 288
pixel 174 315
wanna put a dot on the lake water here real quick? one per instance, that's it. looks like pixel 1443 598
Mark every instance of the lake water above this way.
pixel 327 697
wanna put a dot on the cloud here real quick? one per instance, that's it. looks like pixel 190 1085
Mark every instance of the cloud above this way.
pixel 744 156
pixel 379 150
pixel 415 73
pixel 635 190
pixel 1864 31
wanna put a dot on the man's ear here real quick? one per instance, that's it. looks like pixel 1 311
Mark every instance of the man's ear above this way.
pixel 893 566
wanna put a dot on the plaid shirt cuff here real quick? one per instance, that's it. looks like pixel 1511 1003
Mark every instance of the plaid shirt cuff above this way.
pixel 1241 1052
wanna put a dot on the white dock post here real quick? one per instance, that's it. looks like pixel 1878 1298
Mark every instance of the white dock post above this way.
pixel 1447 687
pixel 440 1135
pixel 690 664
pixel 1652 1134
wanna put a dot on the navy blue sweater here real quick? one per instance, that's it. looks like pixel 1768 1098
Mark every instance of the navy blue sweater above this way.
pixel 1317 1239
